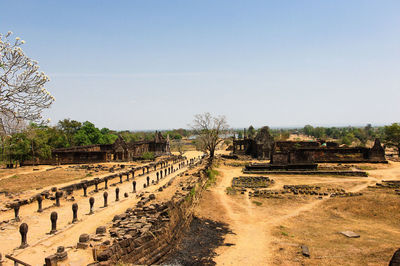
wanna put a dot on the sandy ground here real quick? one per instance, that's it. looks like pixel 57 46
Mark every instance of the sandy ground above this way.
pixel 254 227
pixel 41 244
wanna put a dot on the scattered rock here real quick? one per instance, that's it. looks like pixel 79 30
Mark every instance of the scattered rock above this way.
pixel 350 234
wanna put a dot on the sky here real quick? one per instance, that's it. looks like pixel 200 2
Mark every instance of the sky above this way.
pixel 146 65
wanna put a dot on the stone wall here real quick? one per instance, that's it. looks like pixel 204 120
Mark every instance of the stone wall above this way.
pixel 145 234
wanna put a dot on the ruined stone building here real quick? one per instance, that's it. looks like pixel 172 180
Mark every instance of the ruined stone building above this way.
pixel 118 151
pixel 259 147
pixel 315 152
pixel 263 146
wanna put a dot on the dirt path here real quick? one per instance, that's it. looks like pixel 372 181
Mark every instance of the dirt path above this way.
pixel 252 226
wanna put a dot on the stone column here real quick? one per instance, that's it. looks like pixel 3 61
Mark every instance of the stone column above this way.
pixel 74 212
pixel 148 181
pixel 84 186
pixel 53 219
pixel 105 196
pixel 39 200
pixel 91 202
pixel 16 212
pixel 58 196
pixel 120 178
pixel 106 183
pixel 158 176
pixel 117 194
pixel 96 184
pixel 134 186
pixel 23 230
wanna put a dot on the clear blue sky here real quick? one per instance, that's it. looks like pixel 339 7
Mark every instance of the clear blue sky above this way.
pixel 154 64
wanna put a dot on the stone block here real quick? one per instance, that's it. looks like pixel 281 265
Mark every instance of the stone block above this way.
pixel 82 245
pixel 100 230
pixel 84 238
pixel 350 234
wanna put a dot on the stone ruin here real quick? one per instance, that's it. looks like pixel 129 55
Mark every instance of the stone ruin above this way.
pixel 388 184
pixel 303 153
pixel 302 190
pixel 118 151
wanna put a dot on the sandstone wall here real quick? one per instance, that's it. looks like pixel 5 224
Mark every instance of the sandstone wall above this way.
pixel 144 235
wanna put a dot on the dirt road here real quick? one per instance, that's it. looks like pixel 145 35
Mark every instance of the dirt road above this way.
pixel 252 226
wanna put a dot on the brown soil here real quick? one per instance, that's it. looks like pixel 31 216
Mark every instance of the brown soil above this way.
pixel 270 231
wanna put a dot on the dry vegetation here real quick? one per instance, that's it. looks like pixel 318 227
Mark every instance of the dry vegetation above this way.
pixel 35 180
pixel 374 216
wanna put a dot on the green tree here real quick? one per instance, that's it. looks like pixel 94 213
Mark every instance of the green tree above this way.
pixel 69 128
pixel 308 130
pixel 392 136
pixel 319 132
pixel 88 134
pixel 251 132
pixel 348 139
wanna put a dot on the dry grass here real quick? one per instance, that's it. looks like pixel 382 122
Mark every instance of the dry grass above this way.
pixel 375 216
pixel 22 182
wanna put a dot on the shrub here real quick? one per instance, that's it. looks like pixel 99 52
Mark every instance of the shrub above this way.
pixel 211 173
pixel 148 156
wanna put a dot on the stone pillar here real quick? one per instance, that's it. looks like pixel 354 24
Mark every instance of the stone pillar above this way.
pixel 158 176
pixel 148 180
pixel 58 196
pixel 74 212
pixel 120 178
pixel 106 183
pixel 134 186
pixel 84 186
pixel 39 200
pixel 91 202
pixel 105 196
pixel 16 212
pixel 161 172
pixel 96 184
pixel 53 219
pixel 23 230
pixel 117 194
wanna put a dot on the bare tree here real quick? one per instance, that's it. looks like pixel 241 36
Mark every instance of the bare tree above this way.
pixel 22 92
pixel 209 130
pixel 177 145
